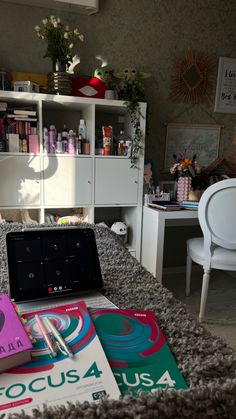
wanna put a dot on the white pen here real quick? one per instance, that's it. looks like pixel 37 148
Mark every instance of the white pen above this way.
pixel 50 326
pixel 45 336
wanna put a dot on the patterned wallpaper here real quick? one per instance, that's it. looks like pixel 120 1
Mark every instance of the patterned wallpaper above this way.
pixel 140 33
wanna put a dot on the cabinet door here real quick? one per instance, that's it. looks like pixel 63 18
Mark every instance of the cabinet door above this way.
pixel 20 180
pixel 115 182
pixel 67 181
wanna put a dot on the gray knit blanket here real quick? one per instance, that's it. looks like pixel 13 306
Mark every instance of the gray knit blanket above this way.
pixel 206 362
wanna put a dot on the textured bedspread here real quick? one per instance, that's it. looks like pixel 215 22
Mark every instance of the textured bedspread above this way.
pixel 206 362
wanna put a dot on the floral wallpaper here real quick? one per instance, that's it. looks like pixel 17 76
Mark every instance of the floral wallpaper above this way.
pixel 141 33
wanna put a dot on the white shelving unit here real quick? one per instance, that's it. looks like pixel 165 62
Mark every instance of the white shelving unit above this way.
pixel 105 187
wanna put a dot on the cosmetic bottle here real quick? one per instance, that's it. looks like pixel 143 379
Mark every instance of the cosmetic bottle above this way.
pixel 45 141
pixel 52 137
pixel 59 144
pixel 71 142
pixel 64 136
pixel 78 145
pixel 82 129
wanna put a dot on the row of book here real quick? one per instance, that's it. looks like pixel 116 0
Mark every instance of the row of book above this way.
pixel 18 130
pixel 85 354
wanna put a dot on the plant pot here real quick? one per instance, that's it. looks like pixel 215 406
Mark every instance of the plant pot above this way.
pixel 183 188
pixel 109 94
pixel 59 81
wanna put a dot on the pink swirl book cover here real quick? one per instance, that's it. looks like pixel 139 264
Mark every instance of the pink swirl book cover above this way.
pixel 15 345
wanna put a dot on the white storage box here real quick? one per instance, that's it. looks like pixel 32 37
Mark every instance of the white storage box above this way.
pixel 26 86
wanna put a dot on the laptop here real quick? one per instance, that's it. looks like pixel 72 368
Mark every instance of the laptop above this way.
pixel 49 267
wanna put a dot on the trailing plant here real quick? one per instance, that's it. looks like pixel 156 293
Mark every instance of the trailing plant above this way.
pixel 131 91
pixel 134 112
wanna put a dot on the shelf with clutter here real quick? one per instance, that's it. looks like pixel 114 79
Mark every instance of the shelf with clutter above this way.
pixel 51 180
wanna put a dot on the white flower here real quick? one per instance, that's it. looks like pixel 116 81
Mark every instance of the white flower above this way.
pixel 76 31
pixel 66 35
pixel 58 20
pixel 71 46
pixel 52 18
pixel 81 37
pixel 37 28
pixel 45 21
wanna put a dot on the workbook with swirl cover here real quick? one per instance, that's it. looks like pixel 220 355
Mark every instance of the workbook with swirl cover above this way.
pixel 137 350
pixel 59 378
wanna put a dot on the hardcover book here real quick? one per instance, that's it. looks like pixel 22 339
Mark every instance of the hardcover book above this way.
pixel 15 345
pixel 165 205
pixel 57 379
pixel 137 350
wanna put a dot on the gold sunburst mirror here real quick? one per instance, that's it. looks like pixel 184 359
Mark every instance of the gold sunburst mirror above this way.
pixel 192 78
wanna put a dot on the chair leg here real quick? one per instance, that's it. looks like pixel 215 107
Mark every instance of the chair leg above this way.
pixel 205 285
pixel 188 274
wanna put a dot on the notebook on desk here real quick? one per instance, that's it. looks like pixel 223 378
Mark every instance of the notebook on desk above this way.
pixel 49 267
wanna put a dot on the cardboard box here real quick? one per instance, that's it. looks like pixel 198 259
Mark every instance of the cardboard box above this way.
pixel 26 86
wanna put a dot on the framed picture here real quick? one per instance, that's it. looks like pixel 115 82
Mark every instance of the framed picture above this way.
pixel 168 186
pixel 225 98
pixel 202 140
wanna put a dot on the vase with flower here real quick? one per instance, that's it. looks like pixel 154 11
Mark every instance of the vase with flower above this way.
pixel 61 41
pixel 184 170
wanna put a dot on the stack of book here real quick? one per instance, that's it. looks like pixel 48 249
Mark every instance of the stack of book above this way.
pixel 192 205
pixel 165 205
pixel 82 354
pixel 19 131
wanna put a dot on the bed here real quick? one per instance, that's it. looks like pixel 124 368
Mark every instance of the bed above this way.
pixel 206 362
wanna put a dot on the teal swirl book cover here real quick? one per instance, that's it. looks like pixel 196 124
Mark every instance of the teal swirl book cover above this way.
pixel 137 350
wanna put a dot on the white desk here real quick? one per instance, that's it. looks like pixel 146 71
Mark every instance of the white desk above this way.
pixel 153 235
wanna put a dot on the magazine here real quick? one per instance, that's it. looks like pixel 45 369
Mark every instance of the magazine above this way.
pixel 54 377
pixel 137 350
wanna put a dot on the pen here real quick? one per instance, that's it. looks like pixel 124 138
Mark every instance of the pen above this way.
pixel 45 335
pixel 50 326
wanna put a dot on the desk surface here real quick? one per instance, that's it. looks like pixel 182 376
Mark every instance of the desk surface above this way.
pixel 153 235
pixel 171 215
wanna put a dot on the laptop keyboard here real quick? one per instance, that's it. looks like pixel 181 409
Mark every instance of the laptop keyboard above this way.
pixel 94 300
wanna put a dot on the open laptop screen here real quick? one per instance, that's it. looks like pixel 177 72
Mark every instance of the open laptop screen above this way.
pixel 46 263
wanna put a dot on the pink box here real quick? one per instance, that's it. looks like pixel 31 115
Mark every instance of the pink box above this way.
pixel 33 143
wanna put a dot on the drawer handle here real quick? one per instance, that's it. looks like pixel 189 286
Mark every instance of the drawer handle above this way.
pixel 89 181
pixel 135 181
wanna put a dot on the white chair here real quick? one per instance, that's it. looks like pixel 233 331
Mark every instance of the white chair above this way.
pixel 217 248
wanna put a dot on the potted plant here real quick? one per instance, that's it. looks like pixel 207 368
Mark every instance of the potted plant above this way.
pixel 110 83
pixel 61 41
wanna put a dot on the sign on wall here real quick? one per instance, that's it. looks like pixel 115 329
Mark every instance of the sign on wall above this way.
pixel 225 99
pixel 200 139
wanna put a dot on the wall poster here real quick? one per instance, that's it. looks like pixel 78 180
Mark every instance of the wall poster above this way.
pixel 225 99
pixel 189 139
